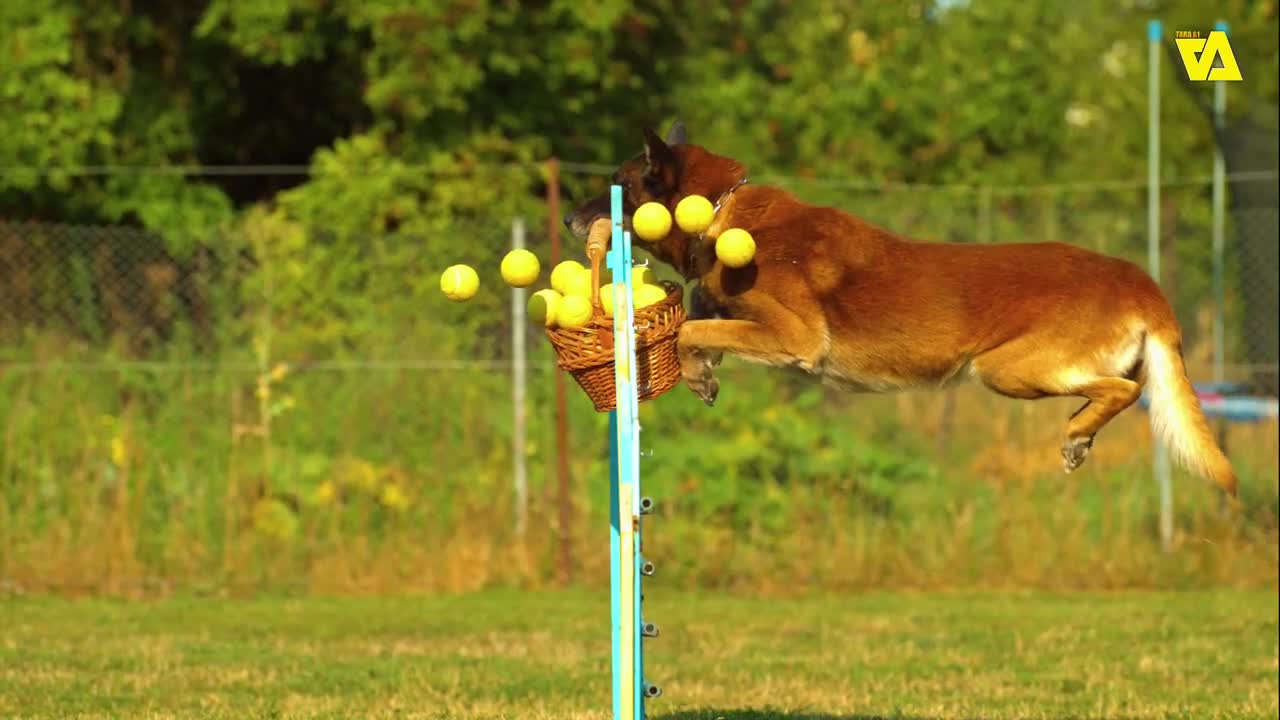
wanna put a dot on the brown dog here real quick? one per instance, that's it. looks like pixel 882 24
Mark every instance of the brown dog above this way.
pixel 872 311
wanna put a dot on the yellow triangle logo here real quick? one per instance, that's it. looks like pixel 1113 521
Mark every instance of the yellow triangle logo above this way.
pixel 1198 55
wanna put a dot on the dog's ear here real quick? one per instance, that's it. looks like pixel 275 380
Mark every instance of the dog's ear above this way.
pixel 677 135
pixel 656 153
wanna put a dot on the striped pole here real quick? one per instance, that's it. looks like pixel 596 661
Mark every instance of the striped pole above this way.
pixel 629 689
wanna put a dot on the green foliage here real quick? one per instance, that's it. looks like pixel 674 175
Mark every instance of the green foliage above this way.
pixel 188 214
pixel 983 92
pixel 269 31
pixel 55 114
pixel 768 442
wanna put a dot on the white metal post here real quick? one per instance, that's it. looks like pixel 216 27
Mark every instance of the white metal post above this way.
pixel 1160 459
pixel 1219 231
pixel 520 473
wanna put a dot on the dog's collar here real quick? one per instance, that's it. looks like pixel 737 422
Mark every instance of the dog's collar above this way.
pixel 724 196
pixel 692 249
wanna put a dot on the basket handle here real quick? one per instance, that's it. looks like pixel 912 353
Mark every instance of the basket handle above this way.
pixel 597 246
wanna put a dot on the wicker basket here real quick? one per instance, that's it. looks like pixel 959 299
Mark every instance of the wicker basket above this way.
pixel 586 353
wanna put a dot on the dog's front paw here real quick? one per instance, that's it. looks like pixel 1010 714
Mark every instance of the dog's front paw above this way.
pixel 706 387
pixel 696 367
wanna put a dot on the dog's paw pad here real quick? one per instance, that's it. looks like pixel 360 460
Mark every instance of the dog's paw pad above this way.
pixel 707 389
pixel 1074 453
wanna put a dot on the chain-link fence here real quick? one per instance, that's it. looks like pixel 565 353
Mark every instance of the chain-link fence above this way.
pixel 110 294
pixel 119 295
pixel 107 288
pixel 281 386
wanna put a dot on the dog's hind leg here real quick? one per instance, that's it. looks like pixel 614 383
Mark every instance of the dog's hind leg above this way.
pixel 1017 370
pixel 1108 397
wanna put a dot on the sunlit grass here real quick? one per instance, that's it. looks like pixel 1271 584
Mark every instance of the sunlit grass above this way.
pixel 546 654
pixel 143 483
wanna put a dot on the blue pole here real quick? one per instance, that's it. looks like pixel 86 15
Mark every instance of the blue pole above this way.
pixel 628 675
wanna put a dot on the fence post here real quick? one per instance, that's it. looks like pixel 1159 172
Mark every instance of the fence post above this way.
pixel 1160 460
pixel 520 473
pixel 984 215
pixel 1219 231
pixel 1050 216
pixel 562 413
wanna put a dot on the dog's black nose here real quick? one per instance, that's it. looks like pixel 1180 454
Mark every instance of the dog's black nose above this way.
pixel 568 221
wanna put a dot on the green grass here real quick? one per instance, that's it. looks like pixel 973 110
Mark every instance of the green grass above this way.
pixel 546 655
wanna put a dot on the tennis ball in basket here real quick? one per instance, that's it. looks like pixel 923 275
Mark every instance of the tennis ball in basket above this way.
pixel 647 295
pixel 694 214
pixel 651 222
pixel 574 312
pixel 561 273
pixel 459 283
pixel 642 276
pixel 606 299
pixel 543 306
pixel 520 268
pixel 578 284
pixel 735 247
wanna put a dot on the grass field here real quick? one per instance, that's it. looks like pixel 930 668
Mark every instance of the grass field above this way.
pixel 545 655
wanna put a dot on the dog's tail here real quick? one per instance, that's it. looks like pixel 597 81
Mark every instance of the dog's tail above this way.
pixel 1176 417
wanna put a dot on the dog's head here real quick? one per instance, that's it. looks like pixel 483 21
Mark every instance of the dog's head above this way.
pixel 665 171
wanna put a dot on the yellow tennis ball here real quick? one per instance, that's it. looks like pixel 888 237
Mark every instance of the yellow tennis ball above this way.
pixel 606 299
pixel 694 214
pixel 561 273
pixel 459 283
pixel 543 306
pixel 520 268
pixel 578 284
pixel 651 222
pixel 574 312
pixel 735 247
pixel 647 295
